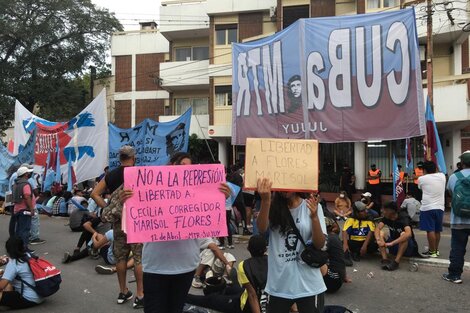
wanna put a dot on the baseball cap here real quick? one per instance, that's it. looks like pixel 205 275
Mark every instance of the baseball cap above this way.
pixel 23 170
pixel 359 206
pixel 465 157
pixel 126 152
pixel 30 166
pixel 367 194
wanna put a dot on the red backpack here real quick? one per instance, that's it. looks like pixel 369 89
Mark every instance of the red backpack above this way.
pixel 46 276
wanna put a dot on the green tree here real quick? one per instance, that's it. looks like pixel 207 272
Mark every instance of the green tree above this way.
pixel 45 47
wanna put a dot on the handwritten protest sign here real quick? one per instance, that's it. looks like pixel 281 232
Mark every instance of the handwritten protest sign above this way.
pixel 291 164
pixel 174 202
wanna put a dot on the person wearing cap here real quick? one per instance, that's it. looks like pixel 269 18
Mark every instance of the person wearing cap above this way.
pixel 374 176
pixel 460 227
pixel 417 173
pixel 24 208
pixel 110 183
pixel 397 237
pixel 431 215
pixel 342 208
pixel 358 231
pixel 366 198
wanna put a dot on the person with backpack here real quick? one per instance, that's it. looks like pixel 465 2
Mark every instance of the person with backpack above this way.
pixel 13 292
pixel 459 187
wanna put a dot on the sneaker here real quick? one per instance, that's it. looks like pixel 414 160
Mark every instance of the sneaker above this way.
pixel 347 259
pixel 356 257
pixel 138 303
pixel 433 255
pixel 392 266
pixel 426 253
pixel 37 241
pixel 385 263
pixel 246 232
pixel 197 282
pixel 452 279
pixel 100 269
pixel 221 247
pixel 231 246
pixel 30 251
pixel 66 258
pixel 437 253
pixel 124 297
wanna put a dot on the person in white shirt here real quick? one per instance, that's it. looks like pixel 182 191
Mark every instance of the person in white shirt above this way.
pixel 433 185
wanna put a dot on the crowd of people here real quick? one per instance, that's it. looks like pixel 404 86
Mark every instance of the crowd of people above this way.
pixel 281 225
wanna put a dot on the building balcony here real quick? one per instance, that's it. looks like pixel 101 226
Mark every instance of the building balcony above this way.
pixel 231 6
pixel 199 124
pixel 181 19
pixel 185 75
pixel 138 42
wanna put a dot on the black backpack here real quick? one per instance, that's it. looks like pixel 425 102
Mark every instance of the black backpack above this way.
pixel 256 270
pixel 17 190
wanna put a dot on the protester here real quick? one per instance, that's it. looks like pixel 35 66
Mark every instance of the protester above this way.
pixel 372 208
pixel 411 205
pixel 342 208
pixel 24 208
pixel 374 183
pixel 308 287
pixel 432 207
pixel 460 226
pixel 358 233
pixel 236 178
pixel 169 266
pixel 252 276
pixel 104 243
pixel 334 272
pixel 397 237
pixel 13 293
pixel 228 216
pixel 113 182
pixel 214 261
pixel 347 181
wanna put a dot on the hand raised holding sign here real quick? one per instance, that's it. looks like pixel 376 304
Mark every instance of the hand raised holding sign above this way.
pixel 125 194
pixel 312 204
pixel 264 188
pixel 225 189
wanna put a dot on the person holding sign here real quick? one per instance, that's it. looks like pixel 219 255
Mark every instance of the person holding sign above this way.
pixel 169 266
pixel 306 287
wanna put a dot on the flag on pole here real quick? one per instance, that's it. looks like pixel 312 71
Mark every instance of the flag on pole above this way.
pixel 46 168
pixel 433 151
pixel 409 157
pixel 70 176
pixel 57 166
pixel 398 191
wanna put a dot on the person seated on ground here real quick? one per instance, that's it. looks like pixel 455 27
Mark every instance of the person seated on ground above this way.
pixel 398 236
pixel 60 203
pixel 252 277
pixel 411 205
pixel 104 243
pixel 366 198
pixel 334 272
pixel 213 263
pixel 42 201
pixel 13 293
pixel 78 197
pixel 342 206
pixel 358 232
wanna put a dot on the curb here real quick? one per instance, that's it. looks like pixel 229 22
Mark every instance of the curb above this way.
pixel 435 262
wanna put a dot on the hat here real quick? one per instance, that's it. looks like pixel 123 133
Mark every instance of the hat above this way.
pixel 23 170
pixel 465 157
pixel 367 194
pixel 359 206
pixel 420 164
pixel 30 166
pixel 126 152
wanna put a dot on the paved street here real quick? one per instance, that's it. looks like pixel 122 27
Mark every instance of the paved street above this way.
pixel 401 291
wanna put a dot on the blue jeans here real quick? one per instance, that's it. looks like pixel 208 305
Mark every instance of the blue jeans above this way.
pixel 458 244
pixel 23 227
pixel 35 225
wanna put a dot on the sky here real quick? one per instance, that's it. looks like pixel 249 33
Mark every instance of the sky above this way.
pixel 130 13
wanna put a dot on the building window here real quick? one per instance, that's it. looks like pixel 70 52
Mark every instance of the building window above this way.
pixel 191 53
pixel 377 4
pixel 226 34
pixel 200 105
pixel 292 13
pixel 223 96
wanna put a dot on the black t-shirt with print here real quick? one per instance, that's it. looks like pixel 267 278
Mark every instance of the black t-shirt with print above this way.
pixel 398 226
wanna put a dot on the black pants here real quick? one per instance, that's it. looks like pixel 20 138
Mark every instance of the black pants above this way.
pixel 313 304
pixel 166 293
pixel 15 301
pixel 355 246
pixel 229 237
pixel 78 255
pixel 227 303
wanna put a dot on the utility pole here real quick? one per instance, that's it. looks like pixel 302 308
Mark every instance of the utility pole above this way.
pixel 429 56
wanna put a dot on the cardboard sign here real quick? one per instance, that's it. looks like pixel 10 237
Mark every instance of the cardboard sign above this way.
pixel 174 202
pixel 291 164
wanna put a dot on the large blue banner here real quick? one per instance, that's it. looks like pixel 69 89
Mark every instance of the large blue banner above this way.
pixel 154 142
pixel 9 163
pixel 335 79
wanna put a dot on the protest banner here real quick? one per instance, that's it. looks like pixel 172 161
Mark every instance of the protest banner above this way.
pixel 291 164
pixel 77 144
pixel 334 79
pixel 174 202
pixel 154 142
